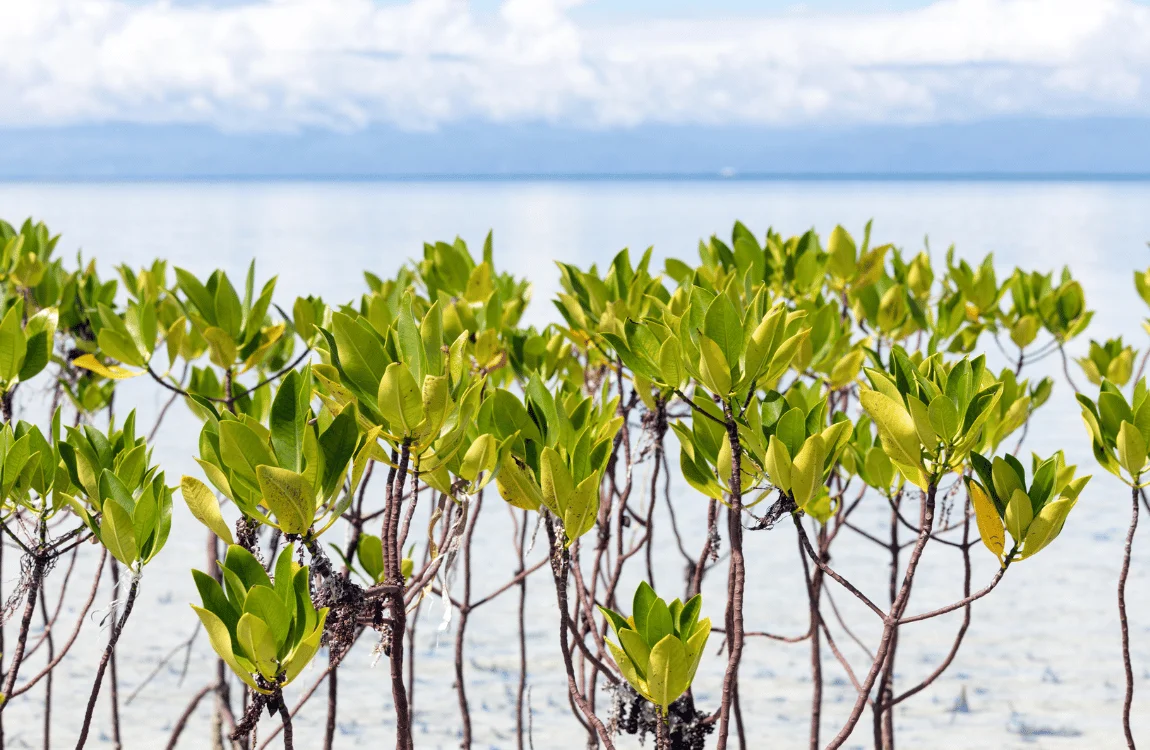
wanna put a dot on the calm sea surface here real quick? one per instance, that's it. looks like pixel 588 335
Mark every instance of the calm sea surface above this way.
pixel 1040 666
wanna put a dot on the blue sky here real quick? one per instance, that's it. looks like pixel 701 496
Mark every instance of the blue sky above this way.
pixel 350 67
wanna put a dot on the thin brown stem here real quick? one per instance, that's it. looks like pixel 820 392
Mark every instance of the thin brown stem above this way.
pixel 392 559
pixel 113 677
pixel 560 565
pixel 521 688
pixel 891 620
pixel 1128 701
pixel 289 743
pixel 461 628
pixel 37 577
pixel 71 639
pixel 117 628
pixel 735 583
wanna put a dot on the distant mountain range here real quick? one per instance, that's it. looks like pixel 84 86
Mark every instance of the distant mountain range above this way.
pixel 1040 148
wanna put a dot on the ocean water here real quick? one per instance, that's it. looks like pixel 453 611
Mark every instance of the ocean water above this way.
pixel 1040 666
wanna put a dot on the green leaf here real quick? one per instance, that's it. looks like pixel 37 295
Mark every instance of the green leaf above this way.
pixel 229 311
pixel 990 526
pixel 117 534
pixel 556 481
pixel 289 496
pixel 645 598
pixel 221 641
pixel 481 457
pixel 517 485
pixel 267 605
pixel 694 647
pixel 247 568
pixel 636 649
pixel 1006 480
pixel 922 427
pixel 582 509
pixel 671 362
pixel 944 417
pixel 1024 331
pixel 713 367
pixel 337 443
pixel 12 344
pixel 659 622
pixel 370 554
pixel 879 470
pixel 618 622
pixel 807 470
pixel 628 669
pixel 304 652
pixel 409 339
pixel 242 450
pixel 896 427
pixel 668 673
pixel 689 616
pixel 205 507
pixel 212 595
pixel 959 385
pixel 1019 514
pixel 256 639
pixel 1131 449
pixel 723 325
pixel 791 430
pixel 119 347
pixel 778 464
pixel 287 420
pixel 1046 526
pixel 361 354
pixel 697 473
pixel 847 369
pixel 222 347
pixel 399 399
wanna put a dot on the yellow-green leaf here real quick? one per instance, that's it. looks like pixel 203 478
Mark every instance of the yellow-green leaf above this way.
pixel 1131 449
pixel 480 457
pixel 807 469
pixel 221 347
pixel 205 507
pixel 555 481
pixel 112 372
pixel 304 652
pixel 1019 513
pixel 713 367
pixel 668 672
pixel 256 639
pixel 117 533
pixel 221 642
pixel 582 509
pixel 778 464
pixel 989 524
pixel 920 413
pixel 517 485
pixel 399 399
pixel 289 496
pixel 896 427
pixel 847 368
pixel 1046 525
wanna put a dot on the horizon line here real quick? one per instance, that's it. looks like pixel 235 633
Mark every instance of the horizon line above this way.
pixel 718 176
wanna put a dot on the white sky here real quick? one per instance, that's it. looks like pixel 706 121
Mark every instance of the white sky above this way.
pixel 347 64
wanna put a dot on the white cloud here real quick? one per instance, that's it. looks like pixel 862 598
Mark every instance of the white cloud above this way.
pixel 345 64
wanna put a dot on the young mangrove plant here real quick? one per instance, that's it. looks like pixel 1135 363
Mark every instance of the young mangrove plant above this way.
pixel 660 647
pixel 844 384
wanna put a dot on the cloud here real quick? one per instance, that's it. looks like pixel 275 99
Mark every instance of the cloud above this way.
pixel 348 64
